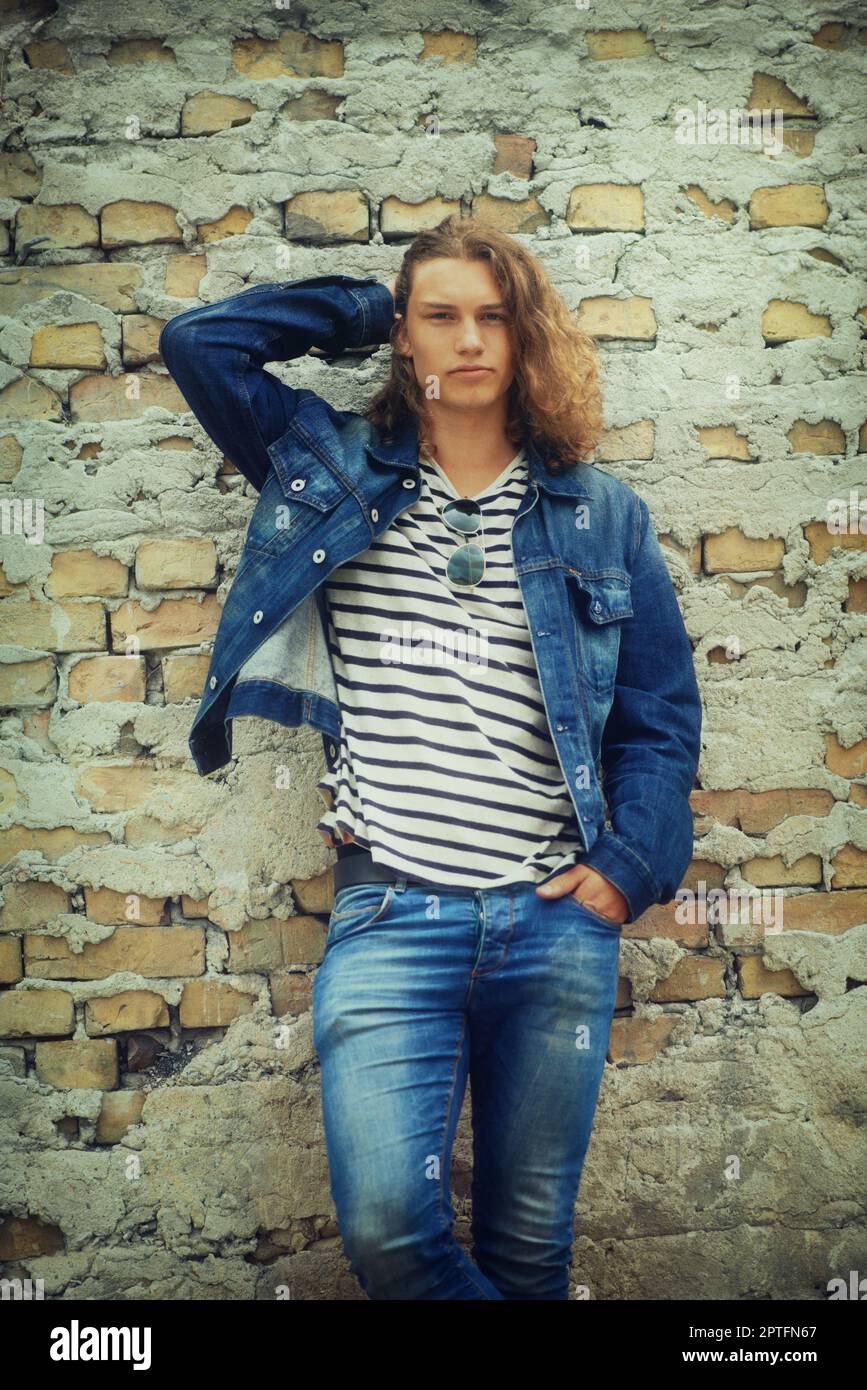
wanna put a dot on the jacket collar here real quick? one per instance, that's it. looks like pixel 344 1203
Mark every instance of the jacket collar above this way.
pixel 403 453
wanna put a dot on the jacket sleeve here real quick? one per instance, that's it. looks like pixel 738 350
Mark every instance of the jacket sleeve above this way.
pixel 217 354
pixel 651 742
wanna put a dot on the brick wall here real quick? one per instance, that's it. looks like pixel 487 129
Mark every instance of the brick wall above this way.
pixel 159 931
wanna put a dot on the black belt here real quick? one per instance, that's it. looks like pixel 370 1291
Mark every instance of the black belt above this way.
pixel 355 865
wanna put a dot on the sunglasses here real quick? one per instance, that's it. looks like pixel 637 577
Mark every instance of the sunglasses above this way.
pixel 466 565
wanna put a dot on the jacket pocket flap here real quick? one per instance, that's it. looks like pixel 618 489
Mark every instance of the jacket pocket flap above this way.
pixel 304 473
pixel 608 596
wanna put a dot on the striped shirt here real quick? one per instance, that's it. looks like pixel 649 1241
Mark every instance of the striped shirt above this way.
pixel 446 770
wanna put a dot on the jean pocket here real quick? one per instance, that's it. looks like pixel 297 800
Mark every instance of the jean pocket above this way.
pixel 599 917
pixel 356 907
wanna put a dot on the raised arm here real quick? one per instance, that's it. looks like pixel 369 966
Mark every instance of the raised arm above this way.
pixel 217 354
pixel 651 741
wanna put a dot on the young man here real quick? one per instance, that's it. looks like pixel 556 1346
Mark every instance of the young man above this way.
pixel 483 627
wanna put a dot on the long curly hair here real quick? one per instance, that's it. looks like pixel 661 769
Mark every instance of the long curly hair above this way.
pixel 555 394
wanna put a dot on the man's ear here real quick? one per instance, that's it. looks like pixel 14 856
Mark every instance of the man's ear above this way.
pixel 401 341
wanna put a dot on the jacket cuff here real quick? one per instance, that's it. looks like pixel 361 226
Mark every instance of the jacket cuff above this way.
pixel 613 858
pixel 376 304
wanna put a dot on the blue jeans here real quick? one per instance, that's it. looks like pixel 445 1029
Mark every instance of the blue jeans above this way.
pixel 421 986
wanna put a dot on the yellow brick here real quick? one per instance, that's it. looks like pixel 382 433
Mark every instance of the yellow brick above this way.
pixel 30 906
pixel 517 218
pixel 141 335
pixel 724 442
pixel 109 283
pixel 635 441
pixel 606 44
pixel 120 1110
pixel 78 1064
pixel 50 55
pixel 314 894
pixel 53 627
pixel 850 867
pixel 294 54
pixel 153 952
pixel 732 550
pixel 612 207
pixel 78 573
pixel 792 205
pixel 449 46
pixel 68 224
pixel 768 93
pixel 235 223
pixel 268 944
pixel 194 907
pixel 122 786
pixel 127 51
pixel 514 155
pixel 184 274
pixel 311 105
pixel 53 843
pixel 10 964
pixel 207 112
pixel 723 209
pixel 35 1013
pixel 126 1012
pixel 129 223
pixel 846 762
pixel 605 317
pixel 694 977
pixel 20 177
pixel 635 1041
pixel 112 907
pixel 398 218
pixel 773 872
pixel 826 437
pixel 106 678
pixel 176 564
pixel 754 979
pixel 184 677
pixel 213 1004
pixel 11 454
pixel 123 397
pixel 783 321
pixel 29 399
pixel 28 684
pixel 176 622
pixel 823 541
pixel 327 217
pixel 67 346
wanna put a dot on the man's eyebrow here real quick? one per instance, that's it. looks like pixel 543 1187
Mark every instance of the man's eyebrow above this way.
pixel 435 304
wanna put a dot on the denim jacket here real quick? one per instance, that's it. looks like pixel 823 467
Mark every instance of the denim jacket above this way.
pixel 614 660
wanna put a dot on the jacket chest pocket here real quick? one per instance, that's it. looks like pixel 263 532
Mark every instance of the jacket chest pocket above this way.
pixel 599 606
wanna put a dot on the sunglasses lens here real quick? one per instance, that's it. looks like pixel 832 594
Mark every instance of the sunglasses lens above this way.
pixel 464 515
pixel 466 565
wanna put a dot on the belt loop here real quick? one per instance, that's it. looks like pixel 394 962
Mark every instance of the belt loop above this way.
pixel 399 884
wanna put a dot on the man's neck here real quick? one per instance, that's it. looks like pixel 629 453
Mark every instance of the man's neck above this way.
pixel 471 453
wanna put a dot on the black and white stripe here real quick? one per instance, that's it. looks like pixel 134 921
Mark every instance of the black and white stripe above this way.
pixel 446 769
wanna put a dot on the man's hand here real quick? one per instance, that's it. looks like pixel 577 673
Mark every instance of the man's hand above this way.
pixel 390 285
pixel 597 891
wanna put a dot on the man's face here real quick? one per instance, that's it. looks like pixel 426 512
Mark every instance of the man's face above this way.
pixel 456 319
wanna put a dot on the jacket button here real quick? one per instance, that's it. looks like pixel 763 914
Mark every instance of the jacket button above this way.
pixel 257 616
pixel 409 482
pixel 374 515
pixel 597 607
pixel 332 751
pixel 212 682
pixel 297 484
pixel 318 557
